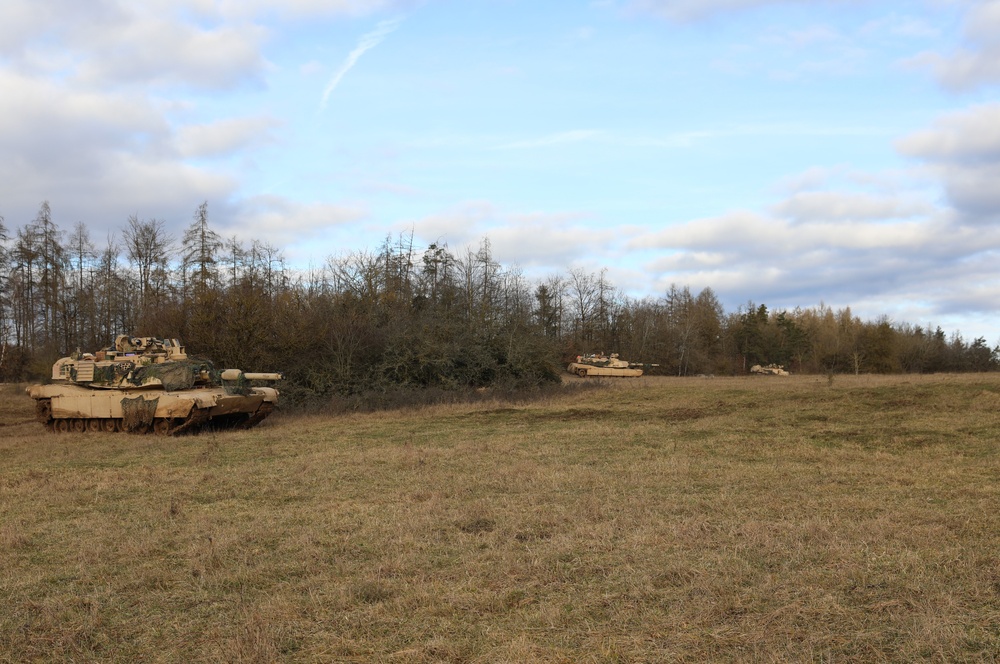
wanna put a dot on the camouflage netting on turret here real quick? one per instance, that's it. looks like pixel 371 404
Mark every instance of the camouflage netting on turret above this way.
pixel 240 386
pixel 180 375
pixel 138 413
pixel 112 374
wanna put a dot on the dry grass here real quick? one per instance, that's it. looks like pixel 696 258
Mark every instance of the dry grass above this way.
pixel 656 520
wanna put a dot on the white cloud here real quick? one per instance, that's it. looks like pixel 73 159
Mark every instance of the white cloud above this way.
pixel 876 252
pixel 459 226
pixel 976 64
pixel 543 239
pixel 224 137
pixel 532 239
pixel 107 43
pixel 767 235
pixel 812 178
pixel 205 44
pixel 82 128
pixel 24 21
pixel 285 222
pixel 291 9
pixel 971 135
pixel 162 52
pixel 974 191
pixel 366 43
pixel 116 185
pixel 45 115
pixel 102 156
pixel 963 69
pixel 963 150
pixel 840 206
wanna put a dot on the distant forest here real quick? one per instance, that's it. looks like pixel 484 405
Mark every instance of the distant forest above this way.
pixel 401 317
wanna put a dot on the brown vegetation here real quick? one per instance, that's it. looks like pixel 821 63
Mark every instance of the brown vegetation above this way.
pixel 407 318
pixel 766 519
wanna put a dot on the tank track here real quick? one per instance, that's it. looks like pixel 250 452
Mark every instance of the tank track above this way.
pixel 198 418
pixel 194 421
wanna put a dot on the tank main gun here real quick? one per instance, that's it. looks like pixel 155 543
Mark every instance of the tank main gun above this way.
pixel 236 374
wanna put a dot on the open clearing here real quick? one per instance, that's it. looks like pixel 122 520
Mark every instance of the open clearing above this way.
pixel 761 519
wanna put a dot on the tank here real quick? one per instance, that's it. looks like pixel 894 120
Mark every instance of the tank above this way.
pixel 147 384
pixel 603 365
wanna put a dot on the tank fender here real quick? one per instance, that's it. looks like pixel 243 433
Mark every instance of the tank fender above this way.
pixel 269 393
pixel 171 406
pixel 206 400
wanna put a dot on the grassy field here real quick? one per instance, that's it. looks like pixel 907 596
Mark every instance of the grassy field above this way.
pixel 767 519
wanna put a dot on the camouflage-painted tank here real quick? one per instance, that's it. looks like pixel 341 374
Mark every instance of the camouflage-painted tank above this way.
pixel 143 384
pixel 602 365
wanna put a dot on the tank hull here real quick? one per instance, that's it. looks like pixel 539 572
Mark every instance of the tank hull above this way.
pixel 589 370
pixel 65 407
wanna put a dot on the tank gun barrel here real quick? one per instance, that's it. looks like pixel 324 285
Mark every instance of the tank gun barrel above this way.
pixel 234 374
pixel 264 375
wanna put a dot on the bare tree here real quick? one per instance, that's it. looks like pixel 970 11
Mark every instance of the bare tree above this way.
pixel 114 303
pixel 584 293
pixel 79 300
pixel 21 283
pixel 5 338
pixel 147 246
pixel 199 248
pixel 548 313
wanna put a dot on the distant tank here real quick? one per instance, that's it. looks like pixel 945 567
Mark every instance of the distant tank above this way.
pixel 602 365
pixel 143 384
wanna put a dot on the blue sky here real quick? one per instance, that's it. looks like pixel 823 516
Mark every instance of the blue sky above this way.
pixel 788 152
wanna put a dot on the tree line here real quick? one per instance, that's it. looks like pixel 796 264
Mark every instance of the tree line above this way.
pixel 400 316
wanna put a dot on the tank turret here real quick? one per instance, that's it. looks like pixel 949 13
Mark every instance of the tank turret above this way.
pixel 147 383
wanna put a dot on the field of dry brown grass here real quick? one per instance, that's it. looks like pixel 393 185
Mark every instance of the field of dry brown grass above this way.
pixel 767 519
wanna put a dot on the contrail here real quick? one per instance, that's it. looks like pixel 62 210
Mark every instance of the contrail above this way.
pixel 370 40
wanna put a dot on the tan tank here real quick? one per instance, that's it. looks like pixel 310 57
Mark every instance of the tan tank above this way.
pixel 143 384
pixel 602 365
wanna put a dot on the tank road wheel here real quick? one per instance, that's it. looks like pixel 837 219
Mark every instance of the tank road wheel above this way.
pixel 109 425
pixel 43 411
pixel 79 426
pixel 62 426
pixel 581 372
pixel 162 426
pixel 93 425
